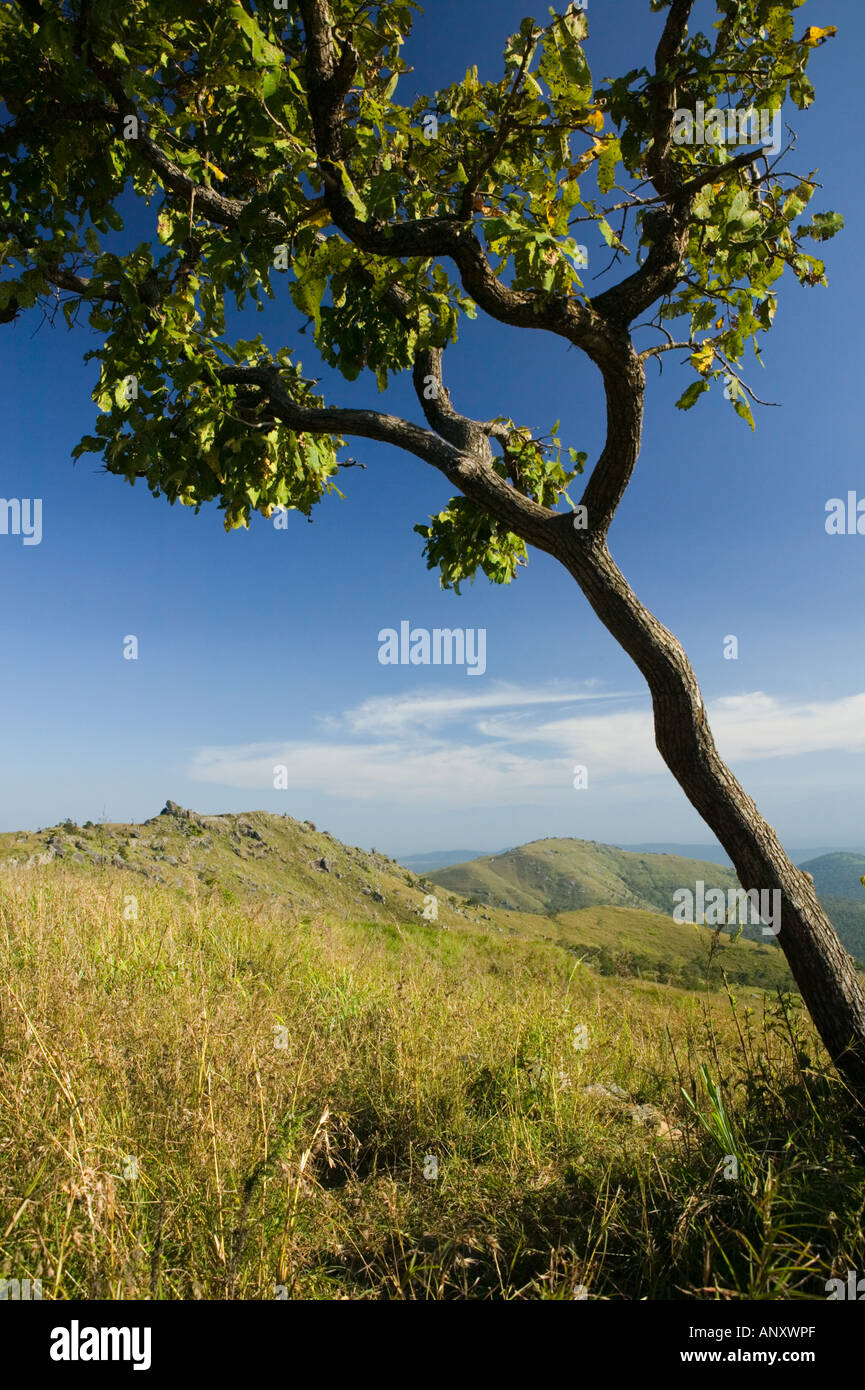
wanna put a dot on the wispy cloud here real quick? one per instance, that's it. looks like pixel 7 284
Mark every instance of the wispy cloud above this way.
pixel 490 748
pixel 439 774
pixel 760 726
pixel 386 715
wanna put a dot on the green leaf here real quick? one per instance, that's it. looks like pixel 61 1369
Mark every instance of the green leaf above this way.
pixel 607 165
pixel 743 408
pixel 263 51
pixel 689 398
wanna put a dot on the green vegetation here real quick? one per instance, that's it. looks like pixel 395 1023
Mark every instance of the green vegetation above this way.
pixel 625 942
pixel 838 880
pixel 838 875
pixel 277 860
pixel 210 1092
pixel 550 876
pixel 558 877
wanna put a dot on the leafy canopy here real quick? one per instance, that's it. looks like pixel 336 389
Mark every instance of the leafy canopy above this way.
pixel 215 118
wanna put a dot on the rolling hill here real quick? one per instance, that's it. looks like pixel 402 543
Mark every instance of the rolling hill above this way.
pixel 560 876
pixel 227 1092
pixel 553 876
pixel 838 875
pixel 837 878
pixel 607 908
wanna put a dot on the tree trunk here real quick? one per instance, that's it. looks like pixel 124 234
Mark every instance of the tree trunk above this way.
pixel 824 972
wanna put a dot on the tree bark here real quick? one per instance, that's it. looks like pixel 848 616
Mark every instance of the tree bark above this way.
pixel 822 969
pixel 824 972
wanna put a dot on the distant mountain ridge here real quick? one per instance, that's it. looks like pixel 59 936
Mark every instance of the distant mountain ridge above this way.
pixel 718 855
pixel 580 893
pixel 440 859
pixel 556 876
pixel 429 860
pixel 839 874
pixel 837 879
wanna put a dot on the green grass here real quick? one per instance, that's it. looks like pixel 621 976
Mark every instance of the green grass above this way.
pixel 145 1030
pixel 281 861
pixel 551 876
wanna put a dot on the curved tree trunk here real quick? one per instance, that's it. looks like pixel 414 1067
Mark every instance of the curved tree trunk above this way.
pixel 824 972
pixel 822 969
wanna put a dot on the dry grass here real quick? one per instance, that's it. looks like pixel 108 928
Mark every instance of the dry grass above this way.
pixel 156 1142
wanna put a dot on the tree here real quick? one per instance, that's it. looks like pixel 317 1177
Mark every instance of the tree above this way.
pixel 273 144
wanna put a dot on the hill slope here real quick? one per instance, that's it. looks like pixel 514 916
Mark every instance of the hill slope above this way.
pixel 551 876
pixel 837 878
pixel 227 1100
pixel 616 928
pixel 255 854
pixel 557 876
pixel 838 875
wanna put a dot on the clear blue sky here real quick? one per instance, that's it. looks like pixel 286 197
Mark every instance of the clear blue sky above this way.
pixel 261 647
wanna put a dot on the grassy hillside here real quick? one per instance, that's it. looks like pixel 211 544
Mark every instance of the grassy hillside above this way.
pixel 555 877
pixel 209 1095
pixel 550 876
pixel 627 942
pixel 838 875
pixel 275 859
pixel 261 855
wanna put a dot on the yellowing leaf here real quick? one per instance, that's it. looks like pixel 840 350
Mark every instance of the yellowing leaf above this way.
pixel 585 159
pixel 218 172
pixel 813 36
pixel 703 358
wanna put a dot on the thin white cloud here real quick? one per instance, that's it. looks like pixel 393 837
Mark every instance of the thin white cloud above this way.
pixel 387 715
pixel 760 726
pixel 619 741
pixel 417 750
pixel 440 774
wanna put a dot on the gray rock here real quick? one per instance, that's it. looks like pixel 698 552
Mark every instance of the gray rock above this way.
pixel 610 1089
pixel 646 1115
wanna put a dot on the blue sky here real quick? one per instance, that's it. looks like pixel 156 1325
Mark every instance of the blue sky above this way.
pixel 261 648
